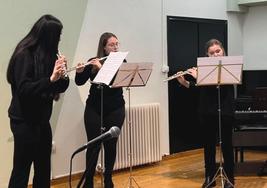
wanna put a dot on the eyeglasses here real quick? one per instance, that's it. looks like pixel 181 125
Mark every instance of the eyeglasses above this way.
pixel 112 45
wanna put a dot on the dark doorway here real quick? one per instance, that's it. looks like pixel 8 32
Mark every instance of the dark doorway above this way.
pixel 186 38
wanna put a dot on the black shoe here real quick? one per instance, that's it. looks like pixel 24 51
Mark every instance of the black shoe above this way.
pixel 89 183
pixel 207 183
pixel 109 185
pixel 108 182
pixel 228 185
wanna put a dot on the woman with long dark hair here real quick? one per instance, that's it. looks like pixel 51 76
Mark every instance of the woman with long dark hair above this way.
pixel 113 111
pixel 36 76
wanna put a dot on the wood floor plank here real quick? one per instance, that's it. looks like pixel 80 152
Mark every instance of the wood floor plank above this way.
pixel 182 170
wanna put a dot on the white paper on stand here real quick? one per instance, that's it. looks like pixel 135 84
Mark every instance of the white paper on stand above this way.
pixel 110 67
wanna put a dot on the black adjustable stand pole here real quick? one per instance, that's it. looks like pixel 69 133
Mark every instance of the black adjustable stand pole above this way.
pixel 102 129
pixel 100 167
pixel 220 172
pixel 131 178
pixel 86 169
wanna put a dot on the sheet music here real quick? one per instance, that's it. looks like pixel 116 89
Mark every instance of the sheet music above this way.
pixel 110 67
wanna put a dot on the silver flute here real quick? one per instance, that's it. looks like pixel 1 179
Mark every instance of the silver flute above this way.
pixel 64 67
pixel 176 75
pixel 85 64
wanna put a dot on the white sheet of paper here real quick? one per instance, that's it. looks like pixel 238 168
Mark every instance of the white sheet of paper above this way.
pixel 230 67
pixel 110 67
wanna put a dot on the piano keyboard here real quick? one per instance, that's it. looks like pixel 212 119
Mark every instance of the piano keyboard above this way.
pixel 250 111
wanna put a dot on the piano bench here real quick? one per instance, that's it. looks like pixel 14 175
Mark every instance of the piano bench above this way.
pixel 245 137
pixel 248 137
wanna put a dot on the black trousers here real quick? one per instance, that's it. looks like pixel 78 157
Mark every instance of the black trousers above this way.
pixel 92 121
pixel 210 126
pixel 32 145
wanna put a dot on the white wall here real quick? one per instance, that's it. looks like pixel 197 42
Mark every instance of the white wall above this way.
pixel 255 38
pixel 247 36
pixel 235 33
pixel 198 9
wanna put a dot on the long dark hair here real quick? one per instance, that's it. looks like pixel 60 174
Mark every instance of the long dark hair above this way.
pixel 212 42
pixel 101 47
pixel 42 43
pixel 103 42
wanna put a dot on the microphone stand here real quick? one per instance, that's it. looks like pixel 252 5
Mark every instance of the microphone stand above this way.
pixel 86 169
pixel 112 133
pixel 100 166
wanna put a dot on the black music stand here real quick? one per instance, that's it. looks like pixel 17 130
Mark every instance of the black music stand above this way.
pixel 225 70
pixel 132 75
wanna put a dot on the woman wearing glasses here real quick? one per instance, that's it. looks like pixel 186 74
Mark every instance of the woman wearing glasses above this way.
pixel 113 111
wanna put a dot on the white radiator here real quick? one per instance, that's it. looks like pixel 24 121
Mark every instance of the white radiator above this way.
pixel 145 137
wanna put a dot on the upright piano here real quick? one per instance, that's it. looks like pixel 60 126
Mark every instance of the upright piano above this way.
pixel 251 113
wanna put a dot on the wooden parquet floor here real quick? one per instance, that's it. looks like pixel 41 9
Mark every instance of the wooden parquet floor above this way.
pixel 182 170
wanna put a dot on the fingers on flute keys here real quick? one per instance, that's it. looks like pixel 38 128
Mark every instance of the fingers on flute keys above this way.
pixel 80 67
pixel 96 63
pixel 192 72
pixel 64 66
pixel 61 59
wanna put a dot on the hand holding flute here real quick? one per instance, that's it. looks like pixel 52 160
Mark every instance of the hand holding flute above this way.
pixel 59 68
pixel 80 67
pixel 63 63
pixel 192 71
pixel 183 81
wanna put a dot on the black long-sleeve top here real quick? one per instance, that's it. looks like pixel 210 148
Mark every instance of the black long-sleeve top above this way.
pixel 112 97
pixel 208 103
pixel 32 97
